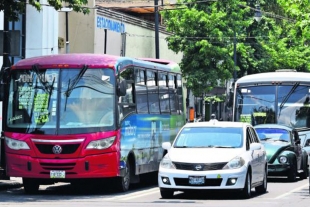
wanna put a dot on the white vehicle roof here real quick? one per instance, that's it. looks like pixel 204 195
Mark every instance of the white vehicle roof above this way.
pixel 275 76
pixel 217 124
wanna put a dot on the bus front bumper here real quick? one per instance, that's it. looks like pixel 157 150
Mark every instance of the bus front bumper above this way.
pixel 94 166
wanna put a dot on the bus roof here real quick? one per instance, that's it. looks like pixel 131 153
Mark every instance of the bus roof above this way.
pixel 95 61
pixel 275 77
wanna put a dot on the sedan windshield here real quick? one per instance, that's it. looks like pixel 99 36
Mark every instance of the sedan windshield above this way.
pixel 209 137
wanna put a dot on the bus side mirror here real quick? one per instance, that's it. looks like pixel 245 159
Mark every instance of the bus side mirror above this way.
pixel 121 88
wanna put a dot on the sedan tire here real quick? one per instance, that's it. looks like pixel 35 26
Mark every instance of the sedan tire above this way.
pixel 262 188
pixel 246 191
pixel 166 193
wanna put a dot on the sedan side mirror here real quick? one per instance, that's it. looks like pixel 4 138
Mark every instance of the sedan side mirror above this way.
pixel 166 145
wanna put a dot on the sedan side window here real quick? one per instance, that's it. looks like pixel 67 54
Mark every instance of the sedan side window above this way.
pixel 254 136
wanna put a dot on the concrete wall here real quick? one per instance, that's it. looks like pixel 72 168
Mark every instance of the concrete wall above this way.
pixel 41 30
pixel 81 30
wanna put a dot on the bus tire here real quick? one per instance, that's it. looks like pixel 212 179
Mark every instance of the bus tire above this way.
pixel 123 183
pixel 31 186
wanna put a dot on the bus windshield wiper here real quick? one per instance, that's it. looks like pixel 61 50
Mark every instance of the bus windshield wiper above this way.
pixel 46 86
pixel 75 81
pixel 289 94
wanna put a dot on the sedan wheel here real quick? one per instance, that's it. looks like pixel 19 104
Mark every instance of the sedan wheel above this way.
pixel 166 193
pixel 262 188
pixel 246 191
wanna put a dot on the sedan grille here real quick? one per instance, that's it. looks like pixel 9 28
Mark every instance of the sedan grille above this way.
pixel 199 166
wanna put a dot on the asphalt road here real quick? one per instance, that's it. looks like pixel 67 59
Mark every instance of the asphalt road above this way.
pixel 280 194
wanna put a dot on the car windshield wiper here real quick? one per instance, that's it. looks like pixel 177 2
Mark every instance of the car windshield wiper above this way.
pixel 266 138
pixel 224 147
pixel 181 147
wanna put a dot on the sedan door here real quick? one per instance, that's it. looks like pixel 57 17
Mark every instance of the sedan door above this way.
pixel 254 156
pixel 261 155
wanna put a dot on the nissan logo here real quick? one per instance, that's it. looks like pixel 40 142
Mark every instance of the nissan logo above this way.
pixel 57 149
pixel 198 167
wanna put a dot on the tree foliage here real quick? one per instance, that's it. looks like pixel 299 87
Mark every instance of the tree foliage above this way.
pixel 13 8
pixel 206 32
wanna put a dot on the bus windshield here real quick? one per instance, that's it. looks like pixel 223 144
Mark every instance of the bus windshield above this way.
pixel 68 100
pixel 282 104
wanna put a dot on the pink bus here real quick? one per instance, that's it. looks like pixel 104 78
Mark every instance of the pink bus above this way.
pixel 75 117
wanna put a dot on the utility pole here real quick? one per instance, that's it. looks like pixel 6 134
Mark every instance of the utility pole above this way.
pixel 6 44
pixel 156 29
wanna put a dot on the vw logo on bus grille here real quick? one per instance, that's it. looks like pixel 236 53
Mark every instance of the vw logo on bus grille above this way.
pixel 57 149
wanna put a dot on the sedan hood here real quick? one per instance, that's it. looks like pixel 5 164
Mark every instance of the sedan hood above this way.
pixel 273 149
pixel 203 155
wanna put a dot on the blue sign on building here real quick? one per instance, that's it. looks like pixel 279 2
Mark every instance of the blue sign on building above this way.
pixel 105 23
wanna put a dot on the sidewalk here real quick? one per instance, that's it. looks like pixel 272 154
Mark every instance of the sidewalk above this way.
pixel 12 183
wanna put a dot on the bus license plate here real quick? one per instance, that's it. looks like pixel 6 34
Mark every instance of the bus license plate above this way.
pixel 196 180
pixel 57 174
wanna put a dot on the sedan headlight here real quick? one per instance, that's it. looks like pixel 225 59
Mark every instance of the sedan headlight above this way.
pixel 101 144
pixel 283 159
pixel 235 163
pixel 16 144
pixel 167 163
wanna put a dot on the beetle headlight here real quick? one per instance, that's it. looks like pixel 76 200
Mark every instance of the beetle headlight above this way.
pixel 283 159
pixel 167 163
pixel 101 144
pixel 235 163
pixel 16 144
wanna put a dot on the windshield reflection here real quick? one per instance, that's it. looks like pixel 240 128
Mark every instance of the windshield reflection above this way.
pixel 283 104
pixel 40 102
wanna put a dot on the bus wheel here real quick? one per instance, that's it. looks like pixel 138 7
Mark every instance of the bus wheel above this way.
pixel 122 183
pixel 31 186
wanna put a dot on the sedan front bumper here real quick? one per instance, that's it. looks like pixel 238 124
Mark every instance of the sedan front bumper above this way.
pixel 214 179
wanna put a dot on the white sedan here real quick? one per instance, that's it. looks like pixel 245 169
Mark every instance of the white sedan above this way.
pixel 214 155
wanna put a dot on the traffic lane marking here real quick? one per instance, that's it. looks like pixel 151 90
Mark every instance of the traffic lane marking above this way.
pixel 292 191
pixel 134 195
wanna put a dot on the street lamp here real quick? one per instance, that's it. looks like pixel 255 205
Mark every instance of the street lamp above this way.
pixel 257 17
pixel 66 10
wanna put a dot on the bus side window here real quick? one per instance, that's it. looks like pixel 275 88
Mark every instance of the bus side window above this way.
pixel 127 103
pixel 163 92
pixel 173 98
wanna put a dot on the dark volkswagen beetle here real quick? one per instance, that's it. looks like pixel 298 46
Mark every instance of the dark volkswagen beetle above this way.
pixel 285 155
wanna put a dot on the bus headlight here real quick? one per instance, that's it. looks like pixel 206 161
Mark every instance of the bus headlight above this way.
pixel 16 144
pixel 101 144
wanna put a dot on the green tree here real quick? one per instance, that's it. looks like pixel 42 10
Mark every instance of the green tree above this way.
pixel 205 32
pixel 13 8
